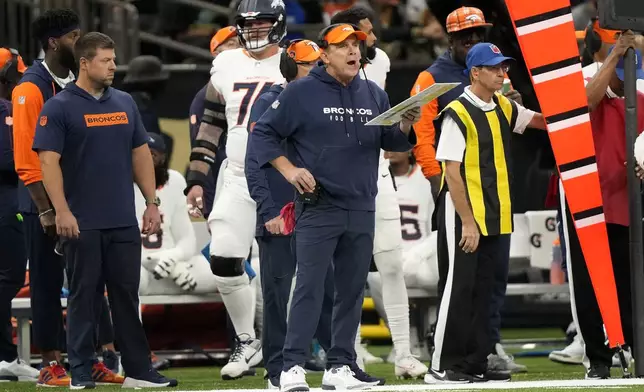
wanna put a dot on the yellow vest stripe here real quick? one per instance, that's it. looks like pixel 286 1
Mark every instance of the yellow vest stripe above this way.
pixel 472 166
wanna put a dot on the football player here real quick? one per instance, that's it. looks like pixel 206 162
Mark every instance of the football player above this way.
pixel 387 254
pixel 238 77
pixel 171 263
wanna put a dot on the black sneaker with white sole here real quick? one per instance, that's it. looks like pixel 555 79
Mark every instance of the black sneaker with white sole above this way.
pixel 81 381
pixel 598 372
pixel 363 376
pixel 446 377
pixel 492 376
pixel 151 379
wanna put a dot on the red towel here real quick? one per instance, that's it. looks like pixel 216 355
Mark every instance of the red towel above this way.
pixel 288 214
pixel 552 197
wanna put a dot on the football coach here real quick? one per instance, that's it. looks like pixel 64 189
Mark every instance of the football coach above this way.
pixel 92 146
pixel 335 174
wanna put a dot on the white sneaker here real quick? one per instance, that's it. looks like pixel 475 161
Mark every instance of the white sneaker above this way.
pixel 366 356
pixel 502 362
pixel 627 356
pixel 342 378
pixel 409 367
pixel 294 380
pixel 19 368
pixel 573 354
pixel 391 358
pixel 245 355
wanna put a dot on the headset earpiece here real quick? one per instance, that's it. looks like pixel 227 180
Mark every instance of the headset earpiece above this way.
pixel 288 65
pixel 9 72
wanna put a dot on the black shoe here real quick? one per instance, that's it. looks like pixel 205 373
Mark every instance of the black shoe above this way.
pixel 150 379
pixel 111 360
pixel 446 377
pixel 82 381
pixel 492 376
pixel 598 372
pixel 360 375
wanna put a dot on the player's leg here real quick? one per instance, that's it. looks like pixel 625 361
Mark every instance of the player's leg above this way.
pixel 46 271
pixel 388 259
pixel 232 225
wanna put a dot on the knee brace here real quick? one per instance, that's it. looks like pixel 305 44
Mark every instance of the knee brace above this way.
pixel 226 266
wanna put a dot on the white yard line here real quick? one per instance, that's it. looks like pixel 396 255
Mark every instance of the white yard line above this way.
pixel 562 384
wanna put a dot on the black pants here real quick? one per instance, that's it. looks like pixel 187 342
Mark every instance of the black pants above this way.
pixel 591 324
pixel 501 269
pixel 46 277
pixel 13 263
pixel 97 258
pixel 277 260
pixel 105 329
pixel 466 284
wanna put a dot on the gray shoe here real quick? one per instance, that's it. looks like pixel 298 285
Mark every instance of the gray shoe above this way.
pixel 502 362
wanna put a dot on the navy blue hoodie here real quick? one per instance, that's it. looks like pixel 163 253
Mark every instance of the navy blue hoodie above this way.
pixel 95 138
pixel 324 122
pixel 267 186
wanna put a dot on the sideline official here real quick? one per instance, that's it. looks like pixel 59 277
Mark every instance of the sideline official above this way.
pixel 605 92
pixel 474 214
pixel 336 175
pixel 92 147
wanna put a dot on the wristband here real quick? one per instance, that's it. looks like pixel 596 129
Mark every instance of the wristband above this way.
pixel 195 177
pixel 45 212
pixel 199 156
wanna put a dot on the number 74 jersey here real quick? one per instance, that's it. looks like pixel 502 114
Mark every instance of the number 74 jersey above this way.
pixel 241 79
pixel 416 207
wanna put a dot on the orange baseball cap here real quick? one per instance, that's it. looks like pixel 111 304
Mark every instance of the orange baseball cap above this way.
pixel 342 32
pixel 221 36
pixel 465 18
pixel 6 56
pixel 304 51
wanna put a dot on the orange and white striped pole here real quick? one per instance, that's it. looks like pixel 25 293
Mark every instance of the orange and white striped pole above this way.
pixel 548 43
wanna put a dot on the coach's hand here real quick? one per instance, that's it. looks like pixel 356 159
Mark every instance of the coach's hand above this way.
pixel 195 201
pixel 469 237
pixel 66 224
pixel 301 179
pixel 151 220
pixel 48 223
pixel 275 225
pixel 409 118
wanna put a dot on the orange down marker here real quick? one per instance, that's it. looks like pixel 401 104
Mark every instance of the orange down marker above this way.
pixel 546 35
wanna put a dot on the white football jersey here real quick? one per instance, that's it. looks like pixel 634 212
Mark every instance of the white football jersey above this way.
pixel 378 68
pixel 416 207
pixel 176 239
pixel 241 79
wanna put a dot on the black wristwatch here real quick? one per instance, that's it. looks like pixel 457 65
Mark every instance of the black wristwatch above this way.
pixel 156 201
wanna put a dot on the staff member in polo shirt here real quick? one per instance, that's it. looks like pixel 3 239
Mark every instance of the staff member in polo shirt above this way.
pixel 474 214
pixel 605 92
pixel 337 158
pixel 57 30
pixel 92 146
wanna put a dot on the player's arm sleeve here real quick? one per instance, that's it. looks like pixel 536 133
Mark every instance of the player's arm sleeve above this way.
pixel 51 129
pixel 425 149
pixel 140 135
pixel 256 176
pixel 27 102
pixel 391 137
pixel 182 231
pixel 276 124
pixel 213 125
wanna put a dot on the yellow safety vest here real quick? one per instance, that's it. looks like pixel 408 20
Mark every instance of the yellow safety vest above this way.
pixel 486 164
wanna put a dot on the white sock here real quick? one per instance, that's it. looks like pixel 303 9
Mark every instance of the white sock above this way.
pixel 239 299
pixel 394 295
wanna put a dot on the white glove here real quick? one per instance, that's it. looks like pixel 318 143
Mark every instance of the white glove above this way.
pixel 163 268
pixel 183 277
